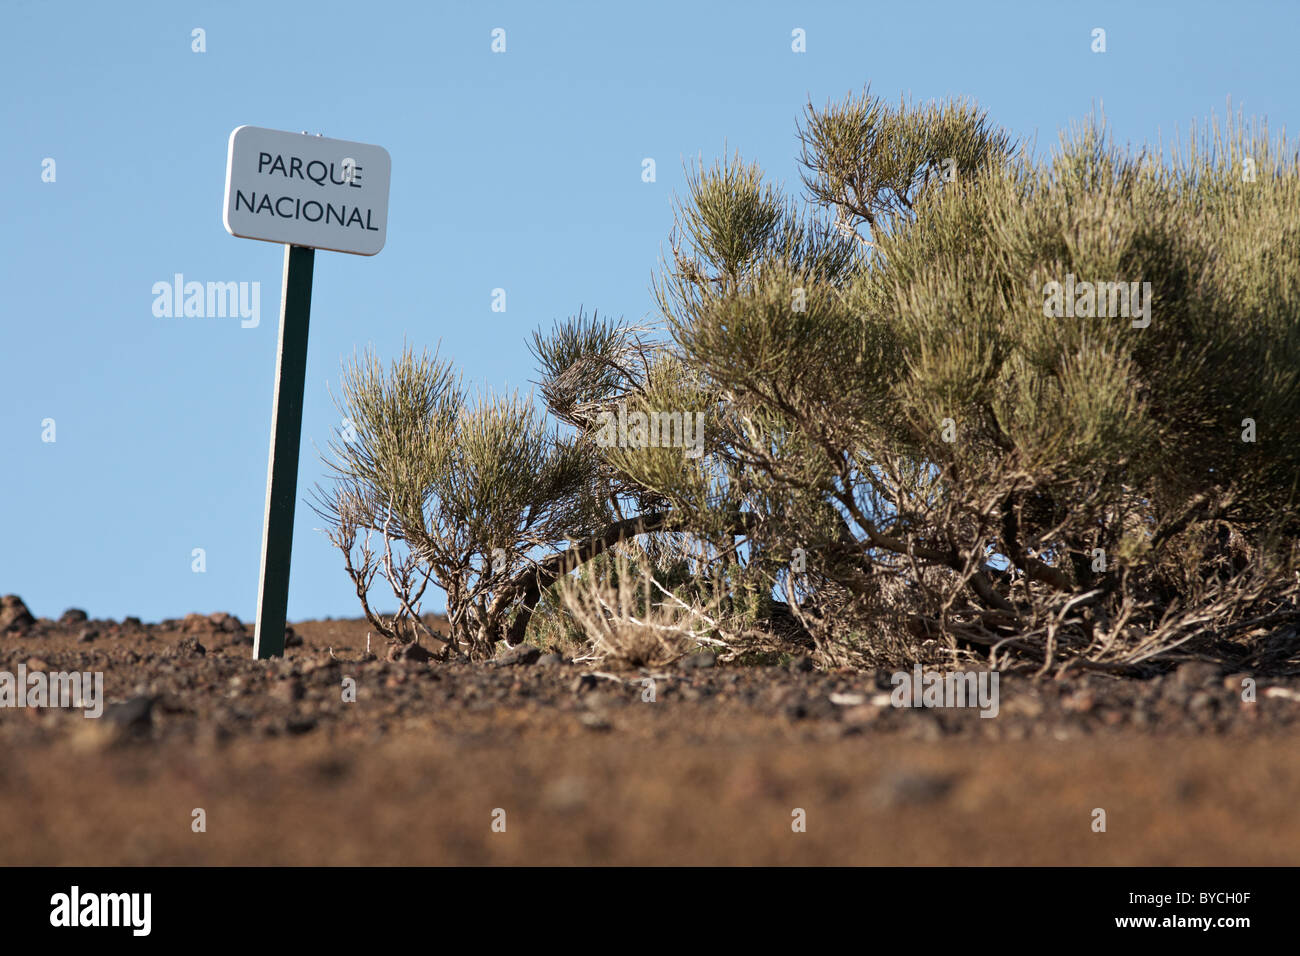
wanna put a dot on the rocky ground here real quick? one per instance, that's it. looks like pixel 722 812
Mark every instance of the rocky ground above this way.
pixel 535 759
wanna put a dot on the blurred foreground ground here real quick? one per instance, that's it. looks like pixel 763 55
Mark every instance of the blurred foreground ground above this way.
pixel 588 772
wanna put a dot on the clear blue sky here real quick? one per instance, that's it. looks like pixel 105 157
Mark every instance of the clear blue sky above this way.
pixel 519 170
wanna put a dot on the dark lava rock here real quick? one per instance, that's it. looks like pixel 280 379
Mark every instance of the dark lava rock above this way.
pixel 704 659
pixel 132 622
pixel 291 637
pixel 221 621
pixel 582 684
pixel 14 615
pixel 409 652
pixel 87 636
pixel 189 647
pixel 885 680
pixel 519 655
pixel 134 714
pixel 801 665
pixel 73 615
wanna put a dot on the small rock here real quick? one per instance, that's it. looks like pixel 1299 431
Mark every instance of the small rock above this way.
pixel 189 647
pixel 73 615
pixel 134 714
pixel 412 652
pixel 291 637
pixel 14 615
pixel 87 636
pixel 36 664
pixel 224 622
pixel 519 655
pixel 595 722
pixel 698 661
pixel 801 665
pixel 132 622
pixel 550 660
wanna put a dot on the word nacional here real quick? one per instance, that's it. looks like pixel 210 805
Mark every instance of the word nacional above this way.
pixel 311 210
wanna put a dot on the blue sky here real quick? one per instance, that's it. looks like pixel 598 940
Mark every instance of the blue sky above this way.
pixel 519 170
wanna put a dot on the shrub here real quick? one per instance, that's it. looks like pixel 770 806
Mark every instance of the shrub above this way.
pixel 908 434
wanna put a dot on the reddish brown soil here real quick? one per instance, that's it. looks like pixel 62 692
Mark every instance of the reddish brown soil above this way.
pixel 588 772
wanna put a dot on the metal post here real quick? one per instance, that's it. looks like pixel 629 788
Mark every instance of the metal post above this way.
pixel 282 468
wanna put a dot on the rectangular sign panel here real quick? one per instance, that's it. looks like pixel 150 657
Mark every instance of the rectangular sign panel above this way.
pixel 307 190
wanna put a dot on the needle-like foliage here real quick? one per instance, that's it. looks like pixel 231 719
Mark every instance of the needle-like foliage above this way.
pixel 966 397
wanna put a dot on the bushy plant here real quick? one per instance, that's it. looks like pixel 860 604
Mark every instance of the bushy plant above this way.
pixel 1046 408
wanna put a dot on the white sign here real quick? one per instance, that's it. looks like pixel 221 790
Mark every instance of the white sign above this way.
pixel 307 190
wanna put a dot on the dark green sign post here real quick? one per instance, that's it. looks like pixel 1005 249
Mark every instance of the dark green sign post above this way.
pixel 307 193
pixel 282 469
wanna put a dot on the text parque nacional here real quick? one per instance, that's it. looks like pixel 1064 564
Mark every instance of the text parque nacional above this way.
pixel 307 191
pixel 293 207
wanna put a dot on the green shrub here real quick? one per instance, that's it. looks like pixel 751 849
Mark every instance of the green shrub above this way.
pixel 910 442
